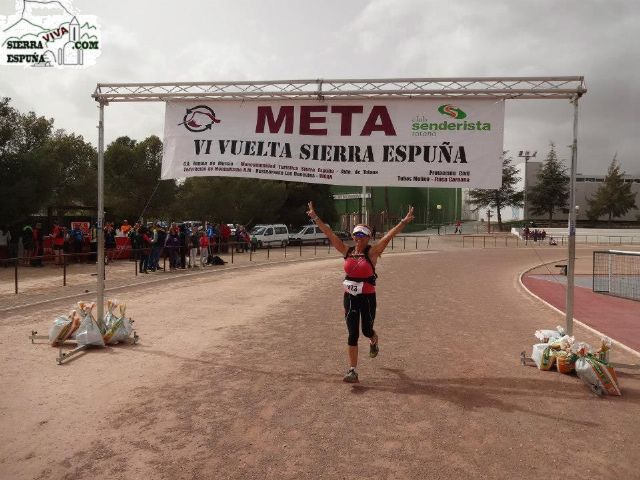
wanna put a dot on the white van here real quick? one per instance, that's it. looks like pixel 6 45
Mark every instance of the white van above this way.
pixel 309 234
pixel 276 234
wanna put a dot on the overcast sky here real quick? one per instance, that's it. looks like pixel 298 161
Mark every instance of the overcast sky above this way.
pixel 210 40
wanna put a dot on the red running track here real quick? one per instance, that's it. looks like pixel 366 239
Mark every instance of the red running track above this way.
pixel 618 318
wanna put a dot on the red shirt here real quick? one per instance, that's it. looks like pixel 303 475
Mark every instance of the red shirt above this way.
pixel 58 235
pixel 358 267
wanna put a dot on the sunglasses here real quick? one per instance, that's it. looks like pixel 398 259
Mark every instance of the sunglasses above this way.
pixel 360 235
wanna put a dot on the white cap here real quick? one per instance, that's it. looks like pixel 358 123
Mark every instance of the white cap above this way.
pixel 362 229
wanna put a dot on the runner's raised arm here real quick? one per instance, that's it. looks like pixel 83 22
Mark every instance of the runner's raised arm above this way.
pixel 326 229
pixel 378 248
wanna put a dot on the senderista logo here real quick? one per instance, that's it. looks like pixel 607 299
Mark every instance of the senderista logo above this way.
pixel 452 111
pixel 423 126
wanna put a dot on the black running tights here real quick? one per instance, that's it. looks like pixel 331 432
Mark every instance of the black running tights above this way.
pixel 357 307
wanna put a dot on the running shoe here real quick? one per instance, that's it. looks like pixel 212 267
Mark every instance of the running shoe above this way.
pixel 373 349
pixel 351 376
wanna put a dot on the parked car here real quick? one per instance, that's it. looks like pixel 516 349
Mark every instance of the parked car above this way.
pixel 274 234
pixel 342 235
pixel 308 234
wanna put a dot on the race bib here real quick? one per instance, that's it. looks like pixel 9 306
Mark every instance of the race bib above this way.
pixel 354 288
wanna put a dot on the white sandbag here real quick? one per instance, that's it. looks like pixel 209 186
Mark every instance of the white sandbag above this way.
pixel 124 331
pixel 563 343
pixel 109 320
pixel 543 355
pixel 86 309
pixel 598 375
pixel 546 336
pixel 89 333
pixel 59 329
pixel 119 327
pixel 118 331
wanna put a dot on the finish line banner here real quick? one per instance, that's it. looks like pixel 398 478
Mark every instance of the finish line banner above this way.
pixel 373 142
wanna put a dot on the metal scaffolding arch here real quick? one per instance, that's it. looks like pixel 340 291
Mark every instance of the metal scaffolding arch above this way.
pixel 501 88
pixel 498 87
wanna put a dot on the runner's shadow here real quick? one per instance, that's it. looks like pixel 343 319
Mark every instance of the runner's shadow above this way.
pixel 481 392
pixel 467 393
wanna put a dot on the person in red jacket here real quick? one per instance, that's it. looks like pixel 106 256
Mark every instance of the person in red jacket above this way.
pixel 225 234
pixel 359 297
pixel 204 247
pixel 58 242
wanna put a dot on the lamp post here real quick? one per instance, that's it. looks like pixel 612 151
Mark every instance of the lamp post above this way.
pixel 439 208
pixel 526 155
pixel 428 208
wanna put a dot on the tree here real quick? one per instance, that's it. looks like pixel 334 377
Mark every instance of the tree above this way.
pixel 25 180
pixel 132 179
pixel 73 169
pixel 293 210
pixel 227 199
pixel 505 196
pixel 552 190
pixel 614 197
pixel 251 201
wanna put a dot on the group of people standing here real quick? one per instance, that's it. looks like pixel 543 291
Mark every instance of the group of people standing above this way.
pixel 534 234
pixel 185 246
pixel 29 244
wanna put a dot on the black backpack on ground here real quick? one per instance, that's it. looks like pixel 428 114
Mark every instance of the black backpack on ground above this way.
pixel 215 260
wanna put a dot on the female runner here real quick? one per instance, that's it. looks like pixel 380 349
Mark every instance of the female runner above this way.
pixel 359 284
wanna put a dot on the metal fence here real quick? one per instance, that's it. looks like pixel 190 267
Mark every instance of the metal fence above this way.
pixel 617 273
pixel 486 241
pixel 493 241
pixel 59 268
pixel 602 239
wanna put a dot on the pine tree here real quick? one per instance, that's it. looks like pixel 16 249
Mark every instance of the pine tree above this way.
pixel 614 197
pixel 505 196
pixel 552 190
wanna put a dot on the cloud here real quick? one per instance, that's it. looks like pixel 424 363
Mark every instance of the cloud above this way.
pixel 244 40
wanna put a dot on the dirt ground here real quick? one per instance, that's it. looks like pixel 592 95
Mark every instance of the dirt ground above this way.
pixel 238 375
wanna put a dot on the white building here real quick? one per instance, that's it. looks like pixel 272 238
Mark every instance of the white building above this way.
pixel 586 187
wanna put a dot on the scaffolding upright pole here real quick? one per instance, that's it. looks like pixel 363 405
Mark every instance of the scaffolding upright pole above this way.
pixel 100 219
pixel 365 220
pixel 524 203
pixel 571 262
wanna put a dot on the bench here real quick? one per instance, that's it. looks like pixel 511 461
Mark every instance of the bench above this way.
pixel 563 269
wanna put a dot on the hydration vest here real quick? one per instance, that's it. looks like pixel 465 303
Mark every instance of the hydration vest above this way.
pixel 370 280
